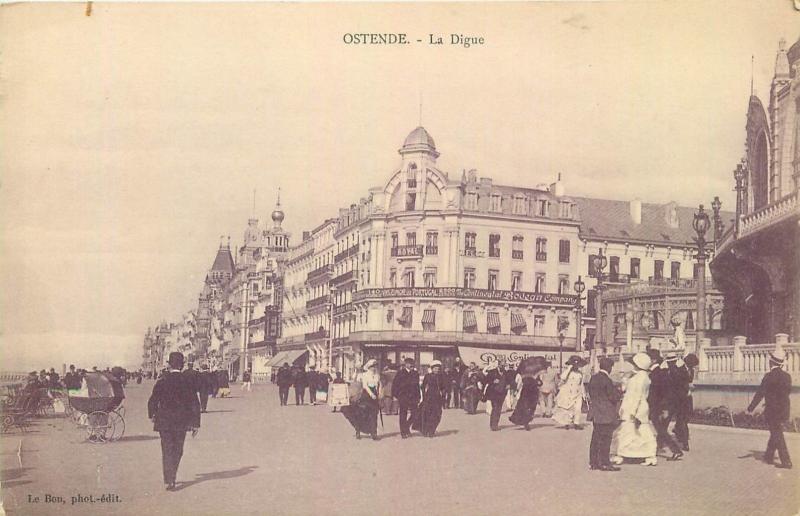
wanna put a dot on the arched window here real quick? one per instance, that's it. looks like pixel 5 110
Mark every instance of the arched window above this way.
pixel 763 186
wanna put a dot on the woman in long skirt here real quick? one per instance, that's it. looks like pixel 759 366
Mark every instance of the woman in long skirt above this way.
pixel 636 438
pixel 470 389
pixel 429 414
pixel 363 413
pixel 528 388
pixel 570 395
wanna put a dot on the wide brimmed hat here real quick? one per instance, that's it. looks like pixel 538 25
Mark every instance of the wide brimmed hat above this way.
pixel 654 355
pixel 778 356
pixel 436 363
pixel 369 363
pixel 671 357
pixel 691 360
pixel 642 361
pixel 576 361
pixel 490 367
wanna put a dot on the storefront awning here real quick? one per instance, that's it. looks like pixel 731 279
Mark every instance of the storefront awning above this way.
pixel 293 355
pixel 492 320
pixel 429 317
pixel 518 322
pixel 276 360
pixel 469 320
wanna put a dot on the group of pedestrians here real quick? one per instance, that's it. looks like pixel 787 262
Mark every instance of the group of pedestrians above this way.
pixel 301 380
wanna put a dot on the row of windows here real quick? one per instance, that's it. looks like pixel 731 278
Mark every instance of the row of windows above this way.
pixel 521 205
pixel 470 245
pixel 634 270
pixel 429 280
pixel 494 323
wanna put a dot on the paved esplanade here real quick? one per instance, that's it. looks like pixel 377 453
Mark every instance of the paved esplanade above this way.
pixel 254 457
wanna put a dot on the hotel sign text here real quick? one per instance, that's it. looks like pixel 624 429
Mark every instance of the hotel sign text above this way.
pixel 467 293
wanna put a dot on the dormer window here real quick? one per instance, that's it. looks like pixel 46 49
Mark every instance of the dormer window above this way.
pixel 542 208
pixel 496 203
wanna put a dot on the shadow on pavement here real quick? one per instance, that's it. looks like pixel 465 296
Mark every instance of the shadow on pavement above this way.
pixel 755 455
pixel 131 438
pixel 215 411
pixel 446 433
pixel 217 475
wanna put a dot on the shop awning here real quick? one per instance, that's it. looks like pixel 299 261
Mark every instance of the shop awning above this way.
pixel 492 320
pixel 407 316
pixel 518 322
pixel 293 355
pixel 276 360
pixel 469 320
pixel 429 317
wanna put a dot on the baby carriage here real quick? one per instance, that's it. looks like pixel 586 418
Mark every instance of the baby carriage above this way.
pixel 97 406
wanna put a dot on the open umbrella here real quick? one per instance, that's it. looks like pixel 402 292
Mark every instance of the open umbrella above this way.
pixel 531 366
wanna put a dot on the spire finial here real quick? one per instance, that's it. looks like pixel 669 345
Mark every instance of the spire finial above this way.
pixel 279 197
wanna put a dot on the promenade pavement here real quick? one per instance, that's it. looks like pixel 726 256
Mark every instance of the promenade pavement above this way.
pixel 254 457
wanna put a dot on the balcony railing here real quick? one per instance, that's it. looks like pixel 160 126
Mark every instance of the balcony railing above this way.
pixel 769 214
pixel 342 278
pixel 517 255
pixel 316 335
pixel 320 273
pixel 470 251
pixel 467 294
pixel 541 257
pixel 317 301
pixel 406 251
pixel 494 253
pixel 431 249
pixel 342 309
pixel 347 253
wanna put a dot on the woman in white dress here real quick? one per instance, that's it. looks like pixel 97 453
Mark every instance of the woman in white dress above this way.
pixel 570 395
pixel 636 438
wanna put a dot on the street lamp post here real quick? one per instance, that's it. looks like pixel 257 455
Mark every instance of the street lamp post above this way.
pixel 330 331
pixel 700 225
pixel 600 263
pixel 560 351
pixel 579 287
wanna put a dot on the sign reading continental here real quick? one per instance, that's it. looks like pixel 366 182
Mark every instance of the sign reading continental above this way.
pixel 510 296
pixel 509 357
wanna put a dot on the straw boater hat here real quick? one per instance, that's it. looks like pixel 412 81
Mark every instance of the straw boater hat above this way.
pixel 777 356
pixel 642 361
pixel 672 357
pixel 371 362
pixel 490 367
pixel 436 363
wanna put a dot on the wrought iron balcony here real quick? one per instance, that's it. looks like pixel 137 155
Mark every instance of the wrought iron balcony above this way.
pixel 541 257
pixel 316 335
pixel 517 255
pixel 317 301
pixel 470 251
pixel 431 249
pixel 347 253
pixel 342 278
pixel 402 251
pixel 320 273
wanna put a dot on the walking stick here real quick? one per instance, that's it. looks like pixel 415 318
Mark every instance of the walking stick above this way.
pixel 380 412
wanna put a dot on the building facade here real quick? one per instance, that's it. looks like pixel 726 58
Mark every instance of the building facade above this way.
pixel 758 263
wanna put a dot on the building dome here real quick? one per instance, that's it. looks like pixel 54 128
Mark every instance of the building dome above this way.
pixel 419 140
pixel 277 215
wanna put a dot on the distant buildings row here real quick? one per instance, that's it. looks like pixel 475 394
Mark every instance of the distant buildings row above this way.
pixel 432 266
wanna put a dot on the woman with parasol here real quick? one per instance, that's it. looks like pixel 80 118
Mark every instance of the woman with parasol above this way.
pixel 571 395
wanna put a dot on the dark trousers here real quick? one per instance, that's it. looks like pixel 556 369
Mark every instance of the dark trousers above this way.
pixel 203 400
pixel 682 427
pixel 776 443
pixel 456 396
pixel 497 409
pixel 408 412
pixel 312 395
pixel 299 395
pixel 600 446
pixel 283 394
pixel 660 420
pixel 171 452
pixel 448 394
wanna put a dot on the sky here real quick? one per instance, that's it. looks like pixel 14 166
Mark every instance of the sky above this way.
pixel 131 139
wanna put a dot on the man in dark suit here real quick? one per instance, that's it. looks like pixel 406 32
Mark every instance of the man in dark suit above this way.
pixel 660 400
pixel 774 390
pixel 300 381
pixel 311 379
pixel 405 389
pixel 604 414
pixel 284 381
pixel 174 409
pixel 206 387
pixel 193 376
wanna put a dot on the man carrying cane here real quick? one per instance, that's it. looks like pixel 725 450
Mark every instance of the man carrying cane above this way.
pixel 774 390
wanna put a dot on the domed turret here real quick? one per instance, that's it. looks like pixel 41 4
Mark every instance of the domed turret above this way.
pixel 277 213
pixel 419 140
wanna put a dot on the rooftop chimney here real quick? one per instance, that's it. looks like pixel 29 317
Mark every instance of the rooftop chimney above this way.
pixel 636 211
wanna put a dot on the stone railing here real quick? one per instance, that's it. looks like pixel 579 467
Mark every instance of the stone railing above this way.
pixel 745 364
pixel 769 214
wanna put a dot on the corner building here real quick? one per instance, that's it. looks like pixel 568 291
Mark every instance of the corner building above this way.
pixel 433 267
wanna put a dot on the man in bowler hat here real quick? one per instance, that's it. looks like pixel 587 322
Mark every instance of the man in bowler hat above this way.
pixel 604 414
pixel 175 409
pixel 405 388
pixel 774 390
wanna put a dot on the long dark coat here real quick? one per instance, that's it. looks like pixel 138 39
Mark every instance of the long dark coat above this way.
pixel 526 404
pixel 774 390
pixel 429 414
pixel 174 404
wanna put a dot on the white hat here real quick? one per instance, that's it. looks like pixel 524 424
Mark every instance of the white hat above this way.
pixel 778 356
pixel 371 362
pixel 642 361
pixel 435 363
pixel 490 367
pixel 671 357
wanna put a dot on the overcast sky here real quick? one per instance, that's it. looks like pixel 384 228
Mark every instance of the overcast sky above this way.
pixel 132 139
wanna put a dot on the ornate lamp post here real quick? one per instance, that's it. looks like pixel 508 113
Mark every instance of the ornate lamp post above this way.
pixel 600 263
pixel 740 175
pixel 719 227
pixel 579 287
pixel 700 225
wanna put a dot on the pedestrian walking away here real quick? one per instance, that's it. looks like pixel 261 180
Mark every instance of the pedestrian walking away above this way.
pixel 300 382
pixel 471 388
pixel 223 384
pixel 206 386
pixel 547 392
pixel 636 437
pixel 774 390
pixel 174 409
pixel 604 399
pixel 284 380
pixel 660 399
pixel 494 392
pixel 311 381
